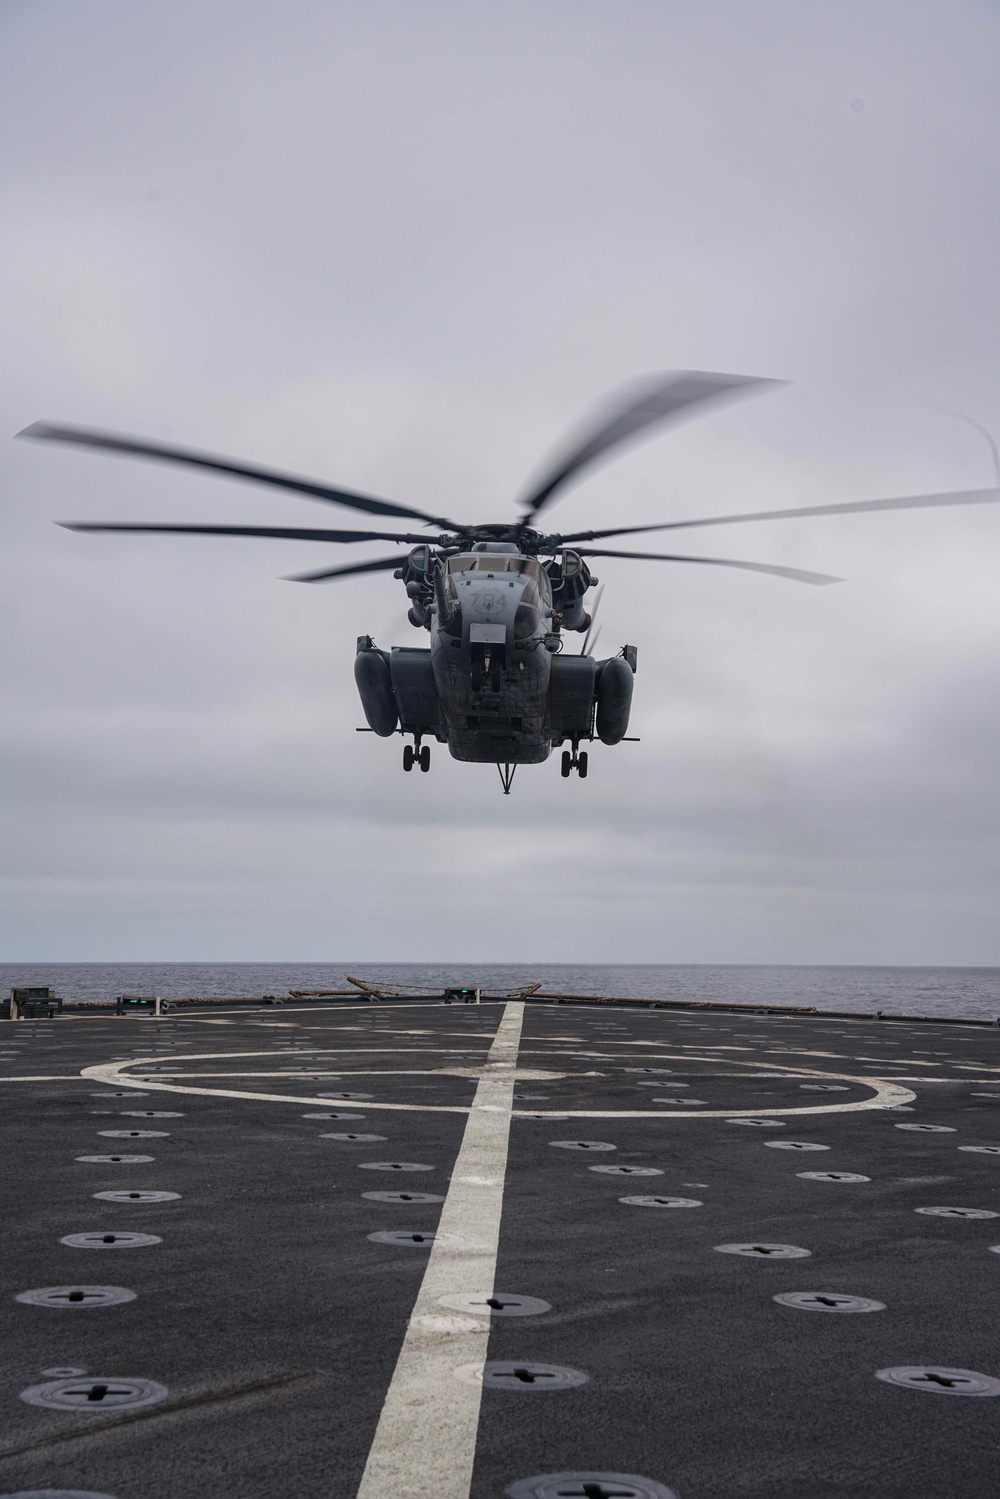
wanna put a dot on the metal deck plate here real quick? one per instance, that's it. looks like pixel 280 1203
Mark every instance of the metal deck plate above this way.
pixel 286 1292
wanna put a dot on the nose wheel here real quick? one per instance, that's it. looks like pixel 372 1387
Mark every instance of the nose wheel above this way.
pixel 578 761
pixel 414 755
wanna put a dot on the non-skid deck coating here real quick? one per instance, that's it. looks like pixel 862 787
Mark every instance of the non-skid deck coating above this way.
pixel 304 1359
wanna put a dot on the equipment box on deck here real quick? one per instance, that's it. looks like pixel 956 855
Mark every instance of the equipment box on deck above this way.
pixel 30 1004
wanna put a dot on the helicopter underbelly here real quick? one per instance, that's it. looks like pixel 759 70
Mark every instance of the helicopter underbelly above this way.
pixel 490 726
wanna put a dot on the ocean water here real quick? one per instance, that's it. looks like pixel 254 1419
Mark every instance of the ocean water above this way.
pixel 970 992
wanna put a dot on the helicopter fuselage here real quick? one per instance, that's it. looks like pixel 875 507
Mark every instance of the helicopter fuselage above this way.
pixel 493 684
pixel 491 667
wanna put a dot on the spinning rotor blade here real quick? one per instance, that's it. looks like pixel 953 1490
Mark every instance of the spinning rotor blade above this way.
pixel 290 533
pixel 794 573
pixel 646 402
pixel 853 507
pixel 592 634
pixel 110 442
pixel 380 565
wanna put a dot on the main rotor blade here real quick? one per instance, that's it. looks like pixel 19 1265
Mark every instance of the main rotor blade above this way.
pixel 289 533
pixel 853 507
pixel 590 644
pixel 380 565
pixel 794 573
pixel 86 437
pixel 593 615
pixel 643 404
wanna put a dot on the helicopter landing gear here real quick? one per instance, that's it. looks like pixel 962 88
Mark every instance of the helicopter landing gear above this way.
pixel 414 755
pixel 579 761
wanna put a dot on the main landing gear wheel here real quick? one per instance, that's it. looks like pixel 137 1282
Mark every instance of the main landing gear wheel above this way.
pixel 408 757
pixel 425 758
pixel 575 761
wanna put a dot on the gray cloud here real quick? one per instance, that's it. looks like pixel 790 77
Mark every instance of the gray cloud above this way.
pixel 402 247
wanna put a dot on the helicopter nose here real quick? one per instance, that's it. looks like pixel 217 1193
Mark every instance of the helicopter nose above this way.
pixel 489 606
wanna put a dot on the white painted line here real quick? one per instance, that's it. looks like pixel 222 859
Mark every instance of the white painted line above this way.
pixel 425 1442
pixel 884 1094
pixel 356 1074
pixel 64 1077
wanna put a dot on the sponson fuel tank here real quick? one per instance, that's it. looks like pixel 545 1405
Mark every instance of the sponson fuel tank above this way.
pixel 614 699
pixel 374 682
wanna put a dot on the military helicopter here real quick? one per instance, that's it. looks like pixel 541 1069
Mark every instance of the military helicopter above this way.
pixel 496 684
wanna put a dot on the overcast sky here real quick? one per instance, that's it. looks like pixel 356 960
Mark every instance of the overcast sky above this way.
pixel 401 245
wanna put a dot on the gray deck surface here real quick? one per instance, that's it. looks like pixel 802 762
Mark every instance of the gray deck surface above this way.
pixel 275 1322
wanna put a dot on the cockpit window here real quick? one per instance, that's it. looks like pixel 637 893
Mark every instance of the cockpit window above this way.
pixel 493 562
pixel 538 589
